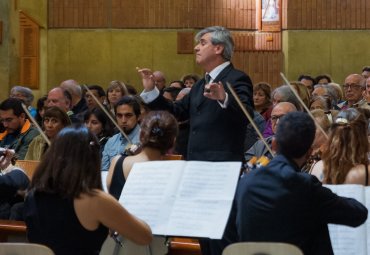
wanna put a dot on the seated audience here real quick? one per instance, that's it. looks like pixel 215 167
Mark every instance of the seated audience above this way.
pixel 66 208
pixel 98 92
pixel 40 109
pixel 25 95
pixel 322 79
pixel 19 132
pixel 190 79
pixel 54 120
pixel 344 159
pixel 308 81
pixel 100 125
pixel 115 91
pixel 262 99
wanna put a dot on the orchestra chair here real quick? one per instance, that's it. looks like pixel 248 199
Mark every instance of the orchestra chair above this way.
pixel 28 166
pixel 172 157
pixel 265 248
pixel 24 249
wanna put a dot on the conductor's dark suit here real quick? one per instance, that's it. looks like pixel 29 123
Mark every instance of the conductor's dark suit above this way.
pixel 216 134
pixel 277 203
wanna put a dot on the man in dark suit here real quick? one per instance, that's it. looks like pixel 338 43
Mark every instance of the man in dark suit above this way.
pixel 278 203
pixel 217 124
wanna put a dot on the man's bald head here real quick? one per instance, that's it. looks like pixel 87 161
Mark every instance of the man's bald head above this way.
pixel 280 110
pixel 60 98
pixel 73 88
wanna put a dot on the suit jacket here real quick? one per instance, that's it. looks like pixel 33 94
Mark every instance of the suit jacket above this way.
pixel 277 203
pixel 215 134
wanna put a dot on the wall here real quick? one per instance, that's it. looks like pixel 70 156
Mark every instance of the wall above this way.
pixel 337 53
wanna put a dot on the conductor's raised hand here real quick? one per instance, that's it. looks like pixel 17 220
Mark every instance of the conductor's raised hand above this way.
pixel 215 91
pixel 147 78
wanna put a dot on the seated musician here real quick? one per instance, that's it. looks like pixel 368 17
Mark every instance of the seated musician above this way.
pixel 13 181
pixel 278 203
pixel 157 136
pixel 345 156
pixel 66 208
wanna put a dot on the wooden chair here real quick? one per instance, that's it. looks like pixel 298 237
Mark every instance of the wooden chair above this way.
pixel 172 157
pixel 24 249
pixel 29 166
pixel 266 248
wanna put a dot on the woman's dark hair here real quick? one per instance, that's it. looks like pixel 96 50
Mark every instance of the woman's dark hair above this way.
pixel 158 131
pixel 108 129
pixel 322 76
pixel 56 112
pixel 39 106
pixel 71 165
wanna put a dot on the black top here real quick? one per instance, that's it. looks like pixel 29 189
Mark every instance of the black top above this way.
pixel 52 221
pixel 118 179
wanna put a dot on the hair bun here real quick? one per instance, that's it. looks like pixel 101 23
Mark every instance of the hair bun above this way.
pixel 157 131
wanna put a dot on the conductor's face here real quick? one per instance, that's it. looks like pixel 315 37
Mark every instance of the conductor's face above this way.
pixel 205 52
pixel 126 118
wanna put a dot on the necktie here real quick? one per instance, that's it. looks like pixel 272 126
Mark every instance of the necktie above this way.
pixel 208 78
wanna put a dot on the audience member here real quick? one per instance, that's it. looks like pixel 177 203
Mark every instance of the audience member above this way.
pixel 40 109
pixel 344 159
pixel 79 105
pixel 127 111
pixel 66 208
pixel 366 72
pixel 25 95
pixel 354 86
pixel 308 81
pixel 159 80
pixel 190 79
pixel 322 79
pixel 54 120
pixel 279 197
pixel 62 99
pixel 100 125
pixel 19 132
pixel 115 92
pixel 171 93
pixel 98 92
pixel 262 99
pixel 259 149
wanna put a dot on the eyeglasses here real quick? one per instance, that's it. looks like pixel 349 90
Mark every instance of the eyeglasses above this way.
pixel 352 86
pixel 275 118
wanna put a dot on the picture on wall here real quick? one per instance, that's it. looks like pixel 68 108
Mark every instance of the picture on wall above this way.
pixel 270 15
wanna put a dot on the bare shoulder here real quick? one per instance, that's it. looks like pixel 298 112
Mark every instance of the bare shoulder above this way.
pixel 356 175
pixel 318 170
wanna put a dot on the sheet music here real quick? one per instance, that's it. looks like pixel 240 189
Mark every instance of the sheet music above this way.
pixel 190 197
pixel 347 240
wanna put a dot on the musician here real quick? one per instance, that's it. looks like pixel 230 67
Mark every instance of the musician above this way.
pixel 66 208
pixel 19 132
pixel 217 124
pixel 127 111
pixel 278 203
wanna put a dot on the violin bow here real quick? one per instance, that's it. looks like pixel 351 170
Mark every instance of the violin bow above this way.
pixel 303 104
pixel 109 116
pixel 249 117
pixel 34 122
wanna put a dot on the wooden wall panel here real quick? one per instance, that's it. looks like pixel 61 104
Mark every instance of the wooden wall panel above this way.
pixel 326 14
pixel 234 14
pixel 257 41
pixel 261 66
pixel 29 51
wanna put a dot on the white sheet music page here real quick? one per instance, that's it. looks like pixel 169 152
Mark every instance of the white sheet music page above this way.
pixel 149 191
pixel 179 198
pixel 204 199
pixel 344 239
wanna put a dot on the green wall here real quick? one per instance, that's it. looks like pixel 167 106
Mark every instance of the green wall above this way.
pixel 338 53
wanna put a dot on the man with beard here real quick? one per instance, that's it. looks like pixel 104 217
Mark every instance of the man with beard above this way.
pixel 127 112
pixel 18 132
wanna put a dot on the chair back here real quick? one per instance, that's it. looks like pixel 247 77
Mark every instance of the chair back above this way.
pixel 24 249
pixel 172 157
pixel 261 248
pixel 28 166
